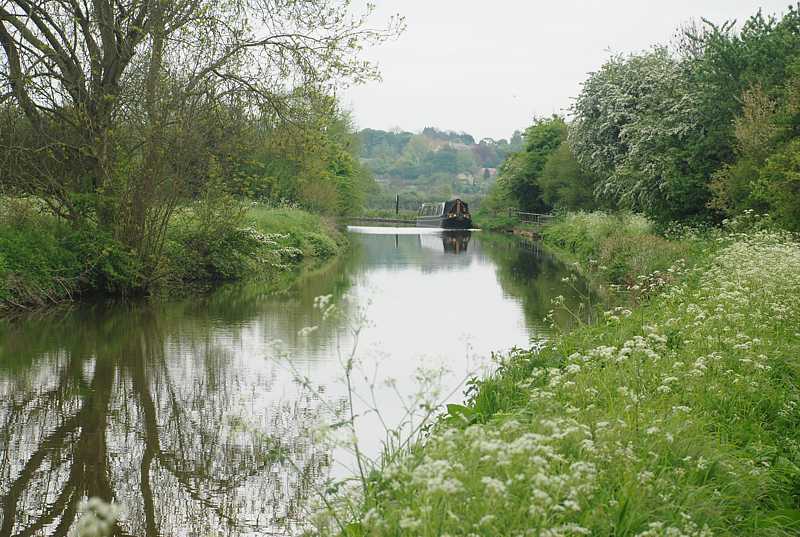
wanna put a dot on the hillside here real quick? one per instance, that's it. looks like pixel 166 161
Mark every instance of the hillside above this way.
pixel 433 164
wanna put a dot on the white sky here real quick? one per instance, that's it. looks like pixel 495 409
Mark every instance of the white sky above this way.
pixel 487 67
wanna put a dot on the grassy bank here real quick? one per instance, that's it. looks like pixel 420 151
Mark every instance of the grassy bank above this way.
pixel 44 260
pixel 623 248
pixel 679 417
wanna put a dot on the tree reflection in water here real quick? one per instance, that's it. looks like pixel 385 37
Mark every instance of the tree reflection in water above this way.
pixel 109 416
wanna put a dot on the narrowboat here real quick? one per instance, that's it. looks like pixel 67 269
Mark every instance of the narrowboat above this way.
pixel 453 214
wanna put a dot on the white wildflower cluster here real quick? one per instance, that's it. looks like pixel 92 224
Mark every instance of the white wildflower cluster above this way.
pixel 615 314
pixel 687 529
pixel 97 518
pixel 497 466
pixel 272 252
pixel 656 281
pixel 437 476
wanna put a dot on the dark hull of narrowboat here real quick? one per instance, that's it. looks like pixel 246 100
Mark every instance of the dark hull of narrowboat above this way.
pixel 444 222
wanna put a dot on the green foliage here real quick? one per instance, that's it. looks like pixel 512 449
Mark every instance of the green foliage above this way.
pixel 779 185
pixel 618 247
pixel 764 176
pixel 45 261
pixel 312 162
pixel 565 184
pixel 521 172
pixel 489 221
pixel 312 235
pixel 636 125
pixel 36 268
pixel 109 266
pixel 687 135
pixel 726 63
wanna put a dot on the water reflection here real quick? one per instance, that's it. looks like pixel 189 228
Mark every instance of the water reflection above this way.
pixel 127 409
pixel 176 411
pixel 456 242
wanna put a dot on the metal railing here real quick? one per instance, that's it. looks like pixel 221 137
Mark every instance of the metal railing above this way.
pixel 537 219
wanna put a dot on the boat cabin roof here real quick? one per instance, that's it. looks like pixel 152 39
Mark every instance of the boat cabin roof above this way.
pixel 442 207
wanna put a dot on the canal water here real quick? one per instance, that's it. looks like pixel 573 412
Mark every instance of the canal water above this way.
pixel 222 414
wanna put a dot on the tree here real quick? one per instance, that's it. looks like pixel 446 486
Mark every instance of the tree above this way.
pixel 565 184
pixel 637 127
pixel 105 91
pixel 765 176
pixel 520 173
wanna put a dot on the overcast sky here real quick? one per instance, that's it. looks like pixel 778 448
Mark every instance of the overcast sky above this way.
pixel 488 67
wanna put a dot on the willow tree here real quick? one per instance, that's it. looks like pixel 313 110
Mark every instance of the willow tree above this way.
pixel 101 99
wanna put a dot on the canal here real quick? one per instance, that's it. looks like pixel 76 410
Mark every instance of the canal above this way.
pixel 221 414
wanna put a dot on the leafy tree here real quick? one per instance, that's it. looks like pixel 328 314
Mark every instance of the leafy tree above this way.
pixel 107 95
pixel 724 64
pixel 521 172
pixel 313 163
pixel 565 184
pixel 766 174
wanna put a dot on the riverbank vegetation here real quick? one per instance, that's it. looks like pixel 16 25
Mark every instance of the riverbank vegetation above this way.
pixel 699 130
pixel 44 261
pixel 677 412
pixel 135 140
pixel 618 248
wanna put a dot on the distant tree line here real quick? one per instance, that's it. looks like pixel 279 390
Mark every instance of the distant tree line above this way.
pixel 698 131
pixel 410 156
pixel 431 165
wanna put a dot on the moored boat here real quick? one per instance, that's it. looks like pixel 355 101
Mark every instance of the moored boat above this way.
pixel 453 214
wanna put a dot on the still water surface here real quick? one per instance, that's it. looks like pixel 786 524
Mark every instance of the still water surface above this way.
pixel 202 415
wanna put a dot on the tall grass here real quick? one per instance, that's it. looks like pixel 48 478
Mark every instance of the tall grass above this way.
pixel 679 418
pixel 620 247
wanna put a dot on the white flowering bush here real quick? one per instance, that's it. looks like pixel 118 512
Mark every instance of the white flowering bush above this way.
pixel 678 418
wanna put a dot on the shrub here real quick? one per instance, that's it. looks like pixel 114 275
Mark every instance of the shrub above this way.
pixel 211 253
pixel 322 246
pixel 37 268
